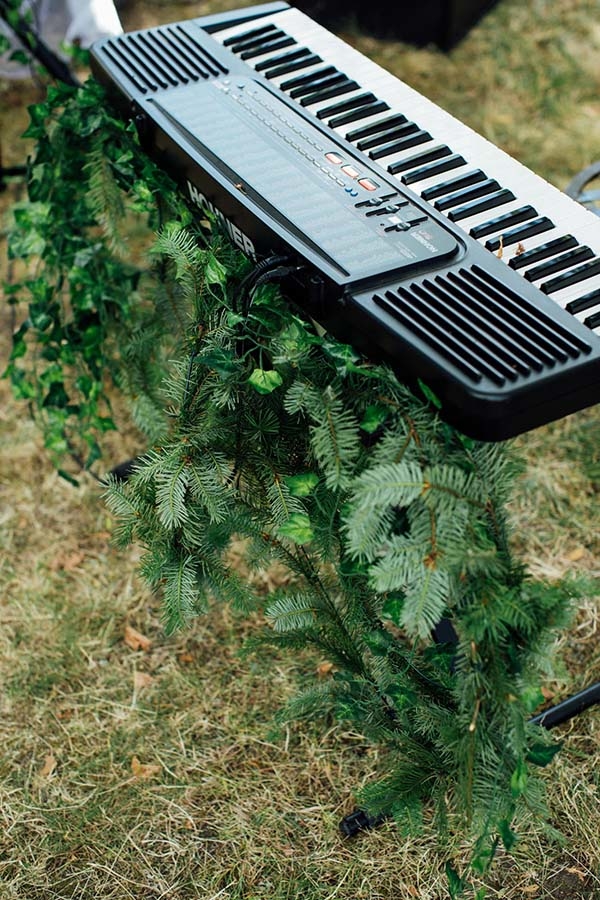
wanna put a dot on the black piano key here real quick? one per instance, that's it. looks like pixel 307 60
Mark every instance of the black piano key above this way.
pixel 557 263
pixel 344 105
pixel 293 66
pixel 453 184
pixel 228 42
pixel 251 43
pixel 543 251
pixel 386 137
pixel 434 168
pixel 585 302
pixel 457 198
pixel 490 201
pixel 356 114
pixel 531 227
pixel 413 140
pixel 319 84
pixel 301 80
pixel 374 127
pixel 328 93
pixel 592 321
pixel 268 48
pixel 425 156
pixel 573 276
pixel 281 59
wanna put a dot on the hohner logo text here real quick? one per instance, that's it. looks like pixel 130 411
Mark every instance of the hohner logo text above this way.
pixel 238 237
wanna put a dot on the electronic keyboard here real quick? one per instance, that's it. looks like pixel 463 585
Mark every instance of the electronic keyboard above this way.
pixel 412 237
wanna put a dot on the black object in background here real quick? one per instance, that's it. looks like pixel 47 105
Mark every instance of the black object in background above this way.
pixel 441 22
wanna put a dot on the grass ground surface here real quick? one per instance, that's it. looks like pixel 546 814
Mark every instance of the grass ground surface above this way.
pixel 138 766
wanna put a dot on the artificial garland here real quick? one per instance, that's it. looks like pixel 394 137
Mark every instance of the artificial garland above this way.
pixel 260 427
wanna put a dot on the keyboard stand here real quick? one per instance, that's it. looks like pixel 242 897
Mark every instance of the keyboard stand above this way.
pixel 444 633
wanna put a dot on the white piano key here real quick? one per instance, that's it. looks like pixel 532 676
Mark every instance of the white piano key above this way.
pixel 479 153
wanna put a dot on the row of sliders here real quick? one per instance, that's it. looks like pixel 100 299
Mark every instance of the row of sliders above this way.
pixel 541 233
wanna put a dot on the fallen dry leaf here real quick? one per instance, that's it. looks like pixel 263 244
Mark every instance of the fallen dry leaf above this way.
pixel 144 770
pixel 141 680
pixel 574 871
pixel 576 554
pixel 50 764
pixel 324 669
pixel 412 891
pixel 135 640
pixel 185 658
pixel 531 889
pixel 547 693
pixel 68 562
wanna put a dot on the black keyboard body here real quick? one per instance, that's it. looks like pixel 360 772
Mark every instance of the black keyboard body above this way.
pixel 381 268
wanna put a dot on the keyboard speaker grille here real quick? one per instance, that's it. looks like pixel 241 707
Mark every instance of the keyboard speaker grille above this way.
pixel 161 58
pixel 482 326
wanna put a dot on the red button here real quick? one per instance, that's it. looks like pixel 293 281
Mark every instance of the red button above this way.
pixel 351 171
pixel 333 158
pixel 368 184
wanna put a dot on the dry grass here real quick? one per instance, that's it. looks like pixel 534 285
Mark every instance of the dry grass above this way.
pixel 158 772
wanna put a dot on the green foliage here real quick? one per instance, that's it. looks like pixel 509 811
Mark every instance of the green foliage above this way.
pixel 84 300
pixel 385 518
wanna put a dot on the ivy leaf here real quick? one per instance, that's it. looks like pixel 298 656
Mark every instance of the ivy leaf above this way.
pixel 215 272
pixel 429 395
pixel 392 608
pixel 542 754
pixel 531 698
pixel 301 485
pixel 265 381
pixel 375 415
pixel 379 642
pixel 455 883
pixel 19 56
pixel 509 838
pixel 518 779
pixel 297 528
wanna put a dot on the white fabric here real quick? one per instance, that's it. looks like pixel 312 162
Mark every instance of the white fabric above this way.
pixel 58 22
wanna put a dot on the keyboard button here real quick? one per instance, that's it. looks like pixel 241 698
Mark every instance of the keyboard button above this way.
pixel 328 93
pixel 267 48
pixel 488 186
pixel 592 321
pixel 543 251
pixel 251 43
pixel 375 127
pixel 425 173
pixel 281 59
pixel 531 227
pixel 413 140
pixel 355 115
pixel 571 277
pixel 316 84
pixel 453 184
pixel 478 206
pixel 582 304
pixel 358 100
pixel 293 66
pixel 247 35
pixel 418 159
pixel 386 137
pixel 557 263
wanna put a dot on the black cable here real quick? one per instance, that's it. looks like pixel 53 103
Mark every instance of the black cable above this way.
pixel 247 283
